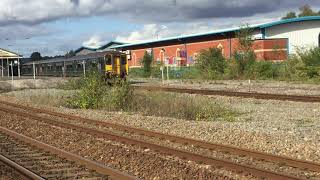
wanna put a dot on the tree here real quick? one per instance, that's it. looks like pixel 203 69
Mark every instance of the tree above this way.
pixel 147 62
pixel 35 56
pixel 244 58
pixel 70 54
pixel 306 10
pixel 290 15
pixel 211 63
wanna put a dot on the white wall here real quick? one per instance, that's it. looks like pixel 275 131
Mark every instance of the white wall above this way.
pixel 300 34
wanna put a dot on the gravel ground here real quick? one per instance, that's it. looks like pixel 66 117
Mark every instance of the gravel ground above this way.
pixel 273 87
pixel 277 127
pixel 7 173
pixel 139 162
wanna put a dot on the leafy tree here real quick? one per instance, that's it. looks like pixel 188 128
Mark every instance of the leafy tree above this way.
pixel 211 63
pixel 147 63
pixel 70 54
pixel 244 57
pixel 290 15
pixel 35 56
pixel 306 10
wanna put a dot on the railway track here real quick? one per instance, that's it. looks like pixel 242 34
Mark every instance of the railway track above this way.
pixel 255 95
pixel 36 160
pixel 47 117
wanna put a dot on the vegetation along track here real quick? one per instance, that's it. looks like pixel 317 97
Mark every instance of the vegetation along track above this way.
pixel 255 95
pixel 36 160
pixel 37 114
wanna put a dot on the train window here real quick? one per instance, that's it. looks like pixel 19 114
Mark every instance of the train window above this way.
pixel 108 60
pixel 123 60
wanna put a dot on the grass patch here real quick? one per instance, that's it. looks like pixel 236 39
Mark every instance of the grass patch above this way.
pixel 198 108
pixel 94 93
pixel 48 97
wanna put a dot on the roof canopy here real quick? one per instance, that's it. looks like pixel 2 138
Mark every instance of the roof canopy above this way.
pixel 219 32
pixel 105 46
pixel 5 54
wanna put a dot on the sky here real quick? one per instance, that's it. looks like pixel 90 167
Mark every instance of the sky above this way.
pixel 53 27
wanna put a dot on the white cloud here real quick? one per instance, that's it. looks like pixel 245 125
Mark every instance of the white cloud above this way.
pixel 39 11
pixel 93 42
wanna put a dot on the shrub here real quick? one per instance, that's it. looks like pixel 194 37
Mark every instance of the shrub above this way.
pixel 147 63
pixel 265 70
pixel 91 92
pixel 211 63
pixel 119 97
pixel 311 61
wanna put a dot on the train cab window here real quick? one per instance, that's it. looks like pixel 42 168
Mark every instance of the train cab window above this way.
pixel 123 60
pixel 108 60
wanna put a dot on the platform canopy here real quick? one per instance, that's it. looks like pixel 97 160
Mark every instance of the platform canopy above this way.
pixel 5 54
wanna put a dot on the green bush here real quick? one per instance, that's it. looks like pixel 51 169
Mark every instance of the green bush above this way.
pixel 211 63
pixel 147 63
pixel 311 62
pixel 265 70
pixel 91 92
pixel 119 97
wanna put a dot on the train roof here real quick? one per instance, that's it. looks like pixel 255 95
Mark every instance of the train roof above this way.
pixel 86 57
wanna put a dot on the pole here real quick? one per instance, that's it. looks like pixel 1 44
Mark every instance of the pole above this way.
pixel 168 71
pixel 84 68
pixel 19 68
pixel 12 72
pixel 1 67
pixel 162 74
pixel 34 70
pixel 8 66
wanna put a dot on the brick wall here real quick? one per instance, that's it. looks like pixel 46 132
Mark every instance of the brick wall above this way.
pixel 182 54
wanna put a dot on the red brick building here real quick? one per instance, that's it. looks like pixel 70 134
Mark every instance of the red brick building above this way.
pixel 272 42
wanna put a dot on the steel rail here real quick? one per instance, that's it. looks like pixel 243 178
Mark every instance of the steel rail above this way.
pixel 23 171
pixel 229 165
pixel 255 95
pixel 211 146
pixel 61 153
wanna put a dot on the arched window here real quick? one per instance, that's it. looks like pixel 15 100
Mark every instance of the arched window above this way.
pixel 162 55
pixel 134 59
pixel 220 46
pixel 178 53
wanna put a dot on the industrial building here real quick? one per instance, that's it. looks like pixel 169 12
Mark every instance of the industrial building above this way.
pixel 272 42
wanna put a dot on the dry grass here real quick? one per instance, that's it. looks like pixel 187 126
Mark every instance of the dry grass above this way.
pixel 181 106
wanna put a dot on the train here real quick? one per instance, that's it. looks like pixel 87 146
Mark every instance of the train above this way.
pixel 116 66
pixel 112 64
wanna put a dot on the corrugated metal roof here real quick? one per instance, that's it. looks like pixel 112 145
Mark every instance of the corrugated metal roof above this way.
pixel 86 57
pixel 261 26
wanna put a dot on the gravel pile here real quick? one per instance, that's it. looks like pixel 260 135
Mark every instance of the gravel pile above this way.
pixel 273 87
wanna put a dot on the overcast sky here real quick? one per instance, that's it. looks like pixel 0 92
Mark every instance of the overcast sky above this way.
pixel 55 26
